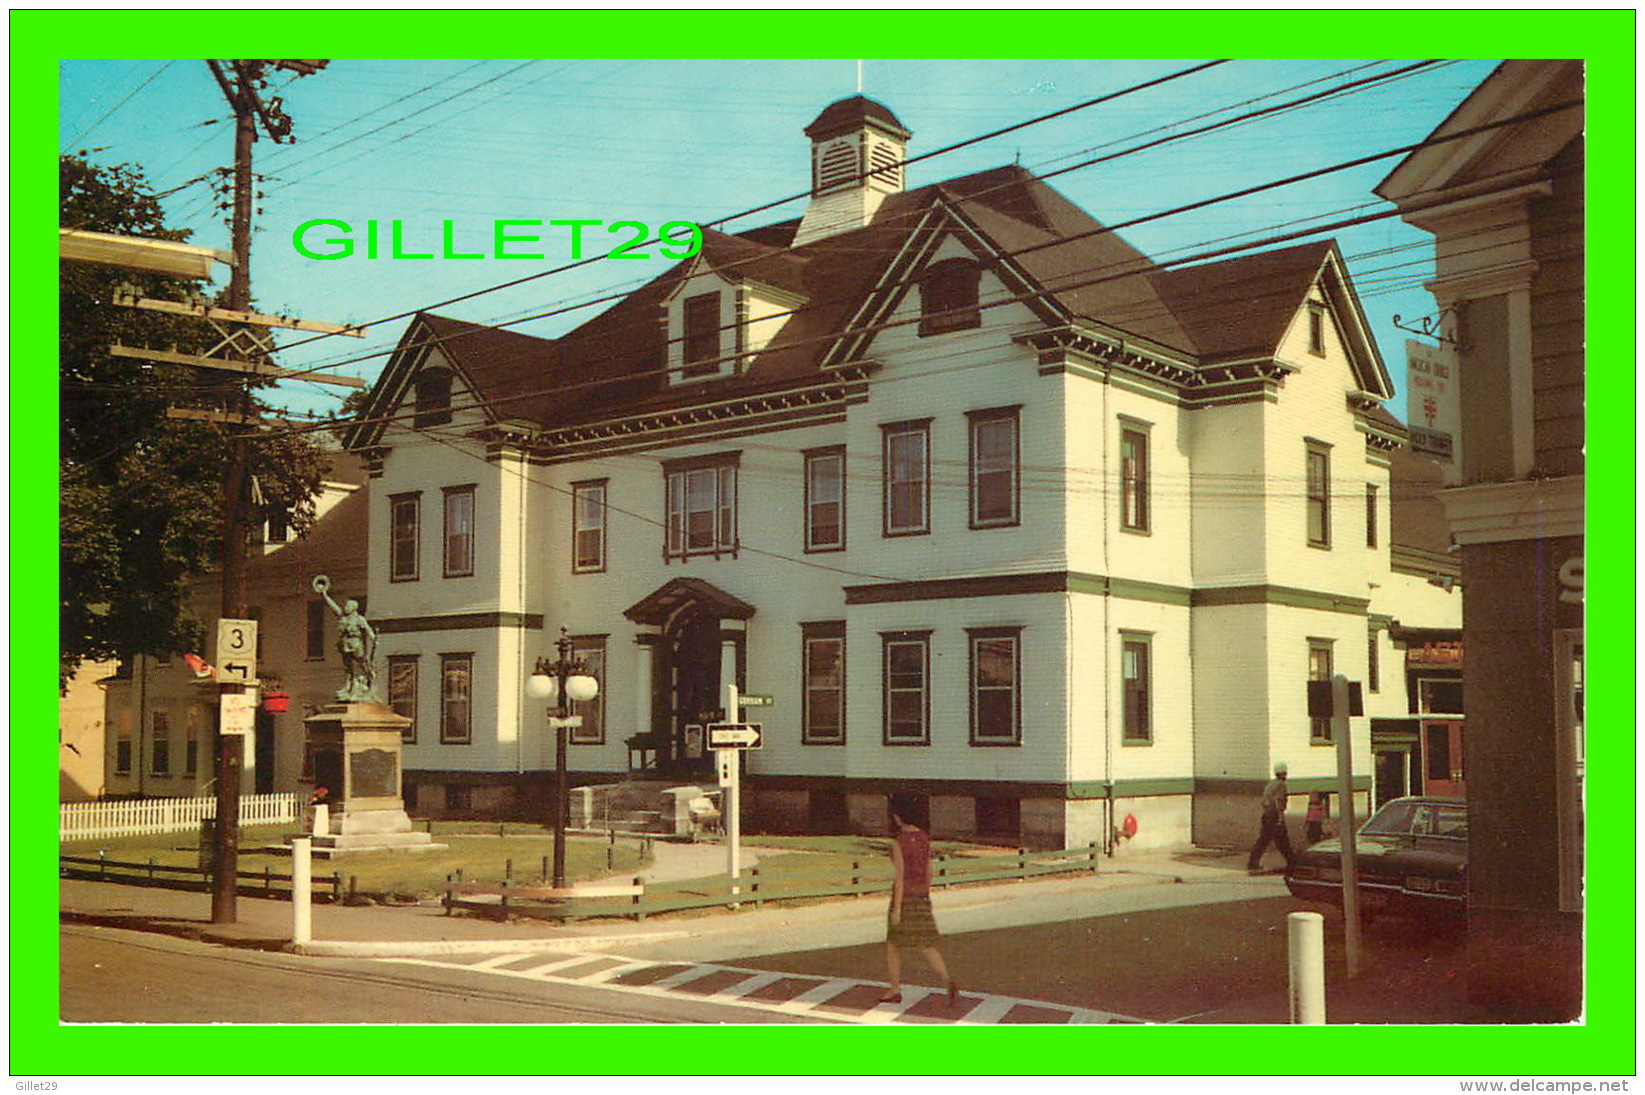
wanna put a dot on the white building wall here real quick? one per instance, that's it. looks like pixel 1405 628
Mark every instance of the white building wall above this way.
pixel 1313 405
pixel 1230 652
pixel 1229 480
pixel 427 464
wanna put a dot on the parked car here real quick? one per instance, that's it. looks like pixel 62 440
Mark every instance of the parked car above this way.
pixel 1412 858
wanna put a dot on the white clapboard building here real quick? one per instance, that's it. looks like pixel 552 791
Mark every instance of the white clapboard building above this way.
pixel 998 512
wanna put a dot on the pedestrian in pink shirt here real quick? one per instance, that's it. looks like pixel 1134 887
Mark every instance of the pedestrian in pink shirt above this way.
pixel 910 921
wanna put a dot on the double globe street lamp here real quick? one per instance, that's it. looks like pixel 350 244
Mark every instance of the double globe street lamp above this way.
pixel 563 681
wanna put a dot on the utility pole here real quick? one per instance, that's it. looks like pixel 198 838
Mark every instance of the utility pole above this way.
pixel 239 81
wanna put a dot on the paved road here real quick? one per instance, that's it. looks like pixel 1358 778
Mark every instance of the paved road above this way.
pixel 109 975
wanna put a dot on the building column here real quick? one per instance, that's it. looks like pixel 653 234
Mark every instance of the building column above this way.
pixel 645 669
pixel 733 645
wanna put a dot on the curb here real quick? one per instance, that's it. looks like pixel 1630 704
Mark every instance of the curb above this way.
pixel 342 948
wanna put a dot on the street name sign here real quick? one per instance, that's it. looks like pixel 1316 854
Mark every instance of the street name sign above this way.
pixel 733 735
pixel 570 722
pixel 755 701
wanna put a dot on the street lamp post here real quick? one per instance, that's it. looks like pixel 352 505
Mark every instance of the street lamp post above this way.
pixel 565 681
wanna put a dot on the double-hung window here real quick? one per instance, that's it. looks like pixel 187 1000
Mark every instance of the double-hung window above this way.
pixel 433 399
pixel 456 698
pixel 160 746
pixel 590 650
pixel 402 691
pixel 995 463
pixel 701 343
pixel 996 692
pixel 825 499
pixel 314 631
pixel 949 297
pixel 588 526
pixel 907 469
pixel 907 687
pixel 1319 669
pixel 459 538
pixel 823 654
pixel 1135 670
pixel 702 506
pixel 1319 494
pixel 1134 499
pixel 1370 515
pixel 404 515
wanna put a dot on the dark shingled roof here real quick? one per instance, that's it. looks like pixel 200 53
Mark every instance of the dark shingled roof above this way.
pixel 848 114
pixel 1241 307
pixel 615 362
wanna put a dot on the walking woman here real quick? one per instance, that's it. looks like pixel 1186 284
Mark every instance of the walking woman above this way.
pixel 910 922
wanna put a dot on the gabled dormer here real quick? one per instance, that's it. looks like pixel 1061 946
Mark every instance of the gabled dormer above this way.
pixel 857 149
pixel 729 303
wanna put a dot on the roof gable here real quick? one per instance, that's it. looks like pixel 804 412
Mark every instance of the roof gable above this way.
pixel 1241 308
pixel 1516 87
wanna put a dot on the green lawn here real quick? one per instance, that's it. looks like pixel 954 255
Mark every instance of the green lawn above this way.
pixel 478 852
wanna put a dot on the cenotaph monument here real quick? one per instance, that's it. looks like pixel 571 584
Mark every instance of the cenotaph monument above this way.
pixel 356 743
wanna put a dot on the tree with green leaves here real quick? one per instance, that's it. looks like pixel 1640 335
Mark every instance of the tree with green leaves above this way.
pixel 141 493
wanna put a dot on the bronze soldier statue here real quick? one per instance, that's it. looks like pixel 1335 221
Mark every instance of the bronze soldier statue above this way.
pixel 357 643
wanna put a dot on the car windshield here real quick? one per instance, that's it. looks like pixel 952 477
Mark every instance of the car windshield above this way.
pixel 1419 819
pixel 1392 818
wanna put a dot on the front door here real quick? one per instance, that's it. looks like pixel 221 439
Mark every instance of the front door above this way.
pixel 1391 773
pixel 696 679
pixel 1442 757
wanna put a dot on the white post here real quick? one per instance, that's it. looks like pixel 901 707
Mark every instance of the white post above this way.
pixel 733 804
pixel 1345 791
pixel 322 819
pixel 1307 932
pixel 302 908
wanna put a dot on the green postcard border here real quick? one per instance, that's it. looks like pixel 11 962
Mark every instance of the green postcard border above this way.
pixel 1602 1045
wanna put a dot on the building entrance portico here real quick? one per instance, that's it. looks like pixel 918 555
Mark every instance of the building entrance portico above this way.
pixel 695 636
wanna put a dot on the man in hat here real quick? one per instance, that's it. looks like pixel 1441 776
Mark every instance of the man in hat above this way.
pixel 1274 798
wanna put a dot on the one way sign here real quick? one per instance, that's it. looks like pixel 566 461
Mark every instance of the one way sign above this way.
pixel 733 735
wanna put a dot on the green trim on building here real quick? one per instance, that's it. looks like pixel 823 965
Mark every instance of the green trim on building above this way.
pixel 1130 788
pixel 1287 596
pixel 468 621
pixel 1102 585
pixel 1299 786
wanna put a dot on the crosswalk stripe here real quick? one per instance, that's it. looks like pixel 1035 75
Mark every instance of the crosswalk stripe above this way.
pixel 849 996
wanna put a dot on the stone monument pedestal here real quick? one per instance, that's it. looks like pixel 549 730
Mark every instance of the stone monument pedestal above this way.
pixel 357 757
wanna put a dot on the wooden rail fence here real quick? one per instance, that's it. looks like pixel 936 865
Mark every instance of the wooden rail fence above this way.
pixel 264 883
pixel 511 898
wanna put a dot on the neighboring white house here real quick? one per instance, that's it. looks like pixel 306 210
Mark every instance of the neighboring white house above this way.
pixel 998 511
pixel 161 716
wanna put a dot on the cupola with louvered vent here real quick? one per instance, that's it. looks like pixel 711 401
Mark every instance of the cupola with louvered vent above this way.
pixel 857 149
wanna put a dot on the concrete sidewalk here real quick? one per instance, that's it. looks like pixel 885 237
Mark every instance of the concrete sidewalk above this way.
pixel 1130 883
pixel 424 929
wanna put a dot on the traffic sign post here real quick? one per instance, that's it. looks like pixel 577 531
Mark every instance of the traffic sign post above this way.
pixel 730 765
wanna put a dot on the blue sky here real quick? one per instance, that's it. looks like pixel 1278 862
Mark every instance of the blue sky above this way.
pixel 476 141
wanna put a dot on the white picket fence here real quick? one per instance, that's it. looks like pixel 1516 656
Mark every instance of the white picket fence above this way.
pixel 95 820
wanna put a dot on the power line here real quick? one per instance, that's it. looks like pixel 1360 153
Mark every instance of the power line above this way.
pixel 1051 290
pixel 84 133
pixel 916 214
pixel 769 205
